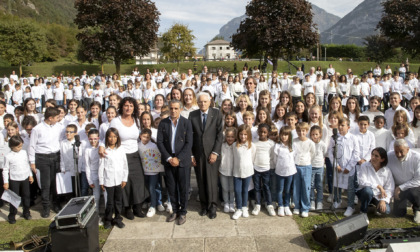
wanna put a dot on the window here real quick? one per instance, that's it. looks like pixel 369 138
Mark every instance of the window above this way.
pixel 213 48
pixel 221 48
pixel 227 47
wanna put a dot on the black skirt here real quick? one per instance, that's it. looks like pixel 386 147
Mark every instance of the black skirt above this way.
pixel 135 192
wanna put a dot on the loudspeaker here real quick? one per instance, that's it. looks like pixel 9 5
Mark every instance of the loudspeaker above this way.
pixel 342 233
pixel 76 239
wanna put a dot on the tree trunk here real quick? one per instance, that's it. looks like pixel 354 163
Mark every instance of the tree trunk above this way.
pixel 118 66
pixel 275 64
pixel 102 68
pixel 20 69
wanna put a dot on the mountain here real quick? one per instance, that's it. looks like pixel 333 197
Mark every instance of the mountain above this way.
pixel 323 19
pixel 44 11
pixel 356 25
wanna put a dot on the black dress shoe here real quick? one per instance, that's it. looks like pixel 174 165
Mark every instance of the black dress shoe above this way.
pixel 56 208
pixel 203 212
pixel 129 214
pixel 27 216
pixel 139 213
pixel 45 213
pixel 107 225
pixel 182 219
pixel 120 224
pixel 212 213
pixel 12 221
pixel 171 218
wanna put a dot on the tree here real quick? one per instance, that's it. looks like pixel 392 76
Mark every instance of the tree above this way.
pixel 378 48
pixel 276 28
pixel 116 29
pixel 21 41
pixel 178 43
pixel 400 24
pixel 217 37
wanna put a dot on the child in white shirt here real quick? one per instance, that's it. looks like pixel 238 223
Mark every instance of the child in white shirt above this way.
pixel 98 94
pixel 317 168
pixel 148 94
pixel 16 167
pixel 383 136
pixel 27 93
pixel 17 96
pixel 58 93
pixel 226 170
pixel 111 113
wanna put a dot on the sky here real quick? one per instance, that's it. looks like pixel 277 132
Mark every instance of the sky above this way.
pixel 206 17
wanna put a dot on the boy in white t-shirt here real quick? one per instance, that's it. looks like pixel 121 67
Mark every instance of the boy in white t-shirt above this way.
pixel 58 92
pixel 68 94
pixel 98 94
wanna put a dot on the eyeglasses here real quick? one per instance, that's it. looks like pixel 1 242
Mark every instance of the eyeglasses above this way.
pixel 69 132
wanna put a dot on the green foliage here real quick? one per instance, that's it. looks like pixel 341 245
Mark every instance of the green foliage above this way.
pixel 217 37
pixel 344 51
pixel 378 49
pixel 178 42
pixel 21 41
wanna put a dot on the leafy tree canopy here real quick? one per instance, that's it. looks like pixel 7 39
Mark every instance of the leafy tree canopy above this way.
pixel 178 42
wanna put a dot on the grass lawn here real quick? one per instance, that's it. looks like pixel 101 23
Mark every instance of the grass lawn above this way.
pixel 23 229
pixel 306 225
pixel 68 67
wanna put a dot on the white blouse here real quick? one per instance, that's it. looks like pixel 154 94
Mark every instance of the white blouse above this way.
pixel 243 159
pixel 91 164
pixel 16 166
pixel 113 169
pixel 283 160
pixel 226 163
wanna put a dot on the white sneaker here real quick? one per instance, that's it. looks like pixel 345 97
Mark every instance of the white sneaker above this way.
pixel 169 208
pixel 232 208
pixel 245 212
pixel 101 223
pixel 337 205
pixel 319 206
pixel 161 208
pixel 292 204
pixel 366 216
pixel 312 208
pixel 256 210
pixel 304 214
pixel 280 212
pixel 356 200
pixel 349 211
pixel 271 211
pixel 296 211
pixel 226 208
pixel 330 198
pixel 287 211
pixel 151 212
pixel 417 217
pixel 237 214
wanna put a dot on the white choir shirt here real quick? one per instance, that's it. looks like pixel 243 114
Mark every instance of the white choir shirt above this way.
pixel 58 93
pixel 295 90
pixel 17 97
pixel 263 155
pixel 365 88
pixel 376 90
pixel 66 157
pixel 372 115
pixel 370 81
pixel 319 88
pixel 128 135
pixel 102 131
pixel 91 158
pixel 113 168
pixel 44 140
pixel 86 93
pixel 355 89
pixel 48 93
pixel 348 152
pixel 14 77
pixel 396 86
pixel 386 86
pixel 77 92
pixel 226 161
pixel 368 177
pixel 108 92
pixel 243 159
pixel 308 88
pixel 389 116
pixel 98 95
pixel 69 94
pixel 377 71
pixel 320 153
pixel 383 137
pixel 304 151
pixel 366 143
pixel 285 84
pixel 283 160
pixel 137 94
pixel 330 71
pixel 37 92
pixel 148 94
pixel 16 166
pixel 26 95
pixel 406 173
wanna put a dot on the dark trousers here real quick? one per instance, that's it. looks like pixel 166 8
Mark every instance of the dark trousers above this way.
pixel 295 99
pixel 48 165
pixel 207 177
pixel 178 184
pixel 21 188
pixel 262 183
pixel 113 203
pixel 386 101
pixel 412 195
pixel 366 197
pixel 329 175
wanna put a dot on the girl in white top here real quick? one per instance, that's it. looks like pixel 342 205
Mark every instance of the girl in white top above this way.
pixel 113 175
pixel 284 168
pixel 77 90
pixel 29 109
pixel 36 93
pixel 352 110
pixel 27 93
pixel 278 117
pixel 226 170
pixel 243 169
pixel 263 155
pixel 148 94
pixel 295 89
pixel 317 168
pixel 236 88
pixel 146 122
pixel 111 113
pixel 72 115
pixel 16 167
pixel 94 115
pixel 383 136
pixel 152 166
pixel 98 94
pixel 275 91
pixel 315 119
pixel 319 86
pixel 87 94
pixel 414 125
pixel 372 112
pixel 92 165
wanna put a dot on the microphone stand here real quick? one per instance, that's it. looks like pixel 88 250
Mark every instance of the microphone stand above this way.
pixel 335 176
pixel 76 146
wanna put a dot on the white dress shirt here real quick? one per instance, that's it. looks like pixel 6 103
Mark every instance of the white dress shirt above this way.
pixel 389 116
pixel 366 143
pixel 113 168
pixel 368 177
pixel 44 140
pixel 16 166
pixel 243 159
pixel 91 158
pixel 304 151
pixel 383 137
pixel 320 152
pixel 406 173
pixel 263 155
pixel 283 160
pixel 226 161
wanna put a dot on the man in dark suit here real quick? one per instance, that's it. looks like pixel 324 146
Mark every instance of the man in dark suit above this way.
pixel 174 141
pixel 207 143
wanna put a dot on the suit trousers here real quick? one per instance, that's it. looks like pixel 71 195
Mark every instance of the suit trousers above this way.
pixel 178 185
pixel 48 165
pixel 207 179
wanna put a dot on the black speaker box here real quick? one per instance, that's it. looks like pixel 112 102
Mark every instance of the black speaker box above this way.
pixel 76 239
pixel 342 233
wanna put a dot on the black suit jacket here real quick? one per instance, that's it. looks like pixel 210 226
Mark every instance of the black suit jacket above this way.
pixel 183 141
pixel 210 140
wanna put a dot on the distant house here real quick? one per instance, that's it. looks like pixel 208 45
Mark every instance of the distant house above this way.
pixel 152 58
pixel 219 50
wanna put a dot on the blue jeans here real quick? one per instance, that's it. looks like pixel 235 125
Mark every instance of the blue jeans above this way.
pixel 150 104
pixel 241 191
pixel 263 177
pixel 316 184
pixel 366 197
pixel 59 102
pixel 302 187
pixel 106 104
pixel 84 185
pixel 273 185
pixel 155 189
pixel 350 193
pixel 330 174
pixel 283 185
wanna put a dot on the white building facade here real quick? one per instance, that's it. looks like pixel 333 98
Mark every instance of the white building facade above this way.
pixel 219 50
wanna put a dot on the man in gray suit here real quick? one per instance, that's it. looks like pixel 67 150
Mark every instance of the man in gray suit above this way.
pixel 207 143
